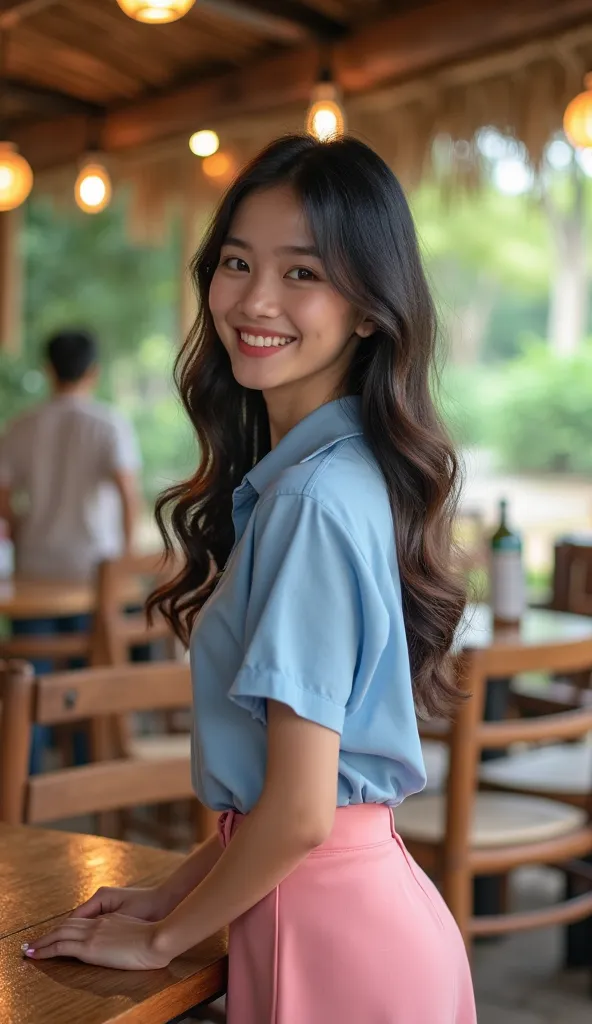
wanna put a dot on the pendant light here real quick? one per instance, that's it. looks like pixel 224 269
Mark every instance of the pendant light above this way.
pixel 577 120
pixel 16 176
pixel 93 189
pixel 221 168
pixel 155 12
pixel 326 116
pixel 204 143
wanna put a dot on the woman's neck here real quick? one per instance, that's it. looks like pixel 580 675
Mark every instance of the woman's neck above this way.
pixel 289 405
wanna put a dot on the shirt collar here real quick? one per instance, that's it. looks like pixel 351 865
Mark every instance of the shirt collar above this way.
pixel 319 431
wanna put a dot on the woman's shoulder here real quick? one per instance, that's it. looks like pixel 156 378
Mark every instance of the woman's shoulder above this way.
pixel 346 480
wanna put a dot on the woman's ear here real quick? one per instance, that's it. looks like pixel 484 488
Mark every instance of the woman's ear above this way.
pixel 365 329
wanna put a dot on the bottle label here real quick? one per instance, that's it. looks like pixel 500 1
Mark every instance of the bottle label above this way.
pixel 508 591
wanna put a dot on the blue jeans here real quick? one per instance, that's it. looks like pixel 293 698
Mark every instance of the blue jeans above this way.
pixel 41 738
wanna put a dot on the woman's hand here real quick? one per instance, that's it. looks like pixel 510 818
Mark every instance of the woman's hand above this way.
pixel 111 940
pixel 145 904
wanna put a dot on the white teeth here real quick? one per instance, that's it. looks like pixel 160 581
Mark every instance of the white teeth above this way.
pixel 258 341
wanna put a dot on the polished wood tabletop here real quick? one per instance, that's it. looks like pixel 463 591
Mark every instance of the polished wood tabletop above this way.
pixel 538 626
pixel 45 874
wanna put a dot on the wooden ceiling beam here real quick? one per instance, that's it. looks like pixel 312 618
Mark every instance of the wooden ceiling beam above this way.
pixel 291 23
pixel 12 12
pixel 394 49
pixel 43 102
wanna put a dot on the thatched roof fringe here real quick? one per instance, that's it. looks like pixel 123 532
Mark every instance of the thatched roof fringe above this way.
pixel 523 92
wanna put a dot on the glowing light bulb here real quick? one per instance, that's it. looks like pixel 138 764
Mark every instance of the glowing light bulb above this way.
pixel 155 12
pixel 326 118
pixel 220 167
pixel 92 190
pixel 204 143
pixel 16 177
pixel 577 120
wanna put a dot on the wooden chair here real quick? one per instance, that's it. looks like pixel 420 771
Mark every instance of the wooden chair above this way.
pixel 69 697
pixel 122 582
pixel 463 833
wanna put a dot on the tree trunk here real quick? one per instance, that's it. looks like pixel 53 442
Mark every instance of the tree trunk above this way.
pixel 568 305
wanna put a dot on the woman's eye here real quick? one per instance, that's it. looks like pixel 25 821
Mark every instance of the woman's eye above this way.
pixel 235 263
pixel 302 274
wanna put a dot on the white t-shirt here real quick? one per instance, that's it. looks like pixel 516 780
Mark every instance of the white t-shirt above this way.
pixel 62 457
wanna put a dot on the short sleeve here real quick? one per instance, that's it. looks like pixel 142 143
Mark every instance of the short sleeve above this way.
pixel 315 624
pixel 122 454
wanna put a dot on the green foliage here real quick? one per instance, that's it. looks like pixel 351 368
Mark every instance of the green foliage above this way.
pixel 533 412
pixel 544 421
pixel 83 270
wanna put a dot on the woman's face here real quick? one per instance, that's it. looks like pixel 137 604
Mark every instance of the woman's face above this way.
pixel 281 322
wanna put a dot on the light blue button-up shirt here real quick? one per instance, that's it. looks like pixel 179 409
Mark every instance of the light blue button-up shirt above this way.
pixel 308 612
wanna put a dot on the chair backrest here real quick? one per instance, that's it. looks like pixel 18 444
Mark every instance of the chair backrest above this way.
pixel 122 587
pixel 572 578
pixel 71 697
pixel 469 734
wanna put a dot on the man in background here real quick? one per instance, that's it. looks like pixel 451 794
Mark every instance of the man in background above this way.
pixel 68 471
pixel 68 489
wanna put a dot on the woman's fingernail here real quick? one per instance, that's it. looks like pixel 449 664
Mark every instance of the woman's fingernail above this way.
pixel 29 952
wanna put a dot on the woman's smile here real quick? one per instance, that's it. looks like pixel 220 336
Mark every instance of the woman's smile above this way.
pixel 257 342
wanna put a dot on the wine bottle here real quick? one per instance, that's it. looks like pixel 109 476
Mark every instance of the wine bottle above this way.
pixel 507 587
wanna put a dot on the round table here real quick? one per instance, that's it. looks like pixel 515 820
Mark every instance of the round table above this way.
pixel 31 599
pixel 538 626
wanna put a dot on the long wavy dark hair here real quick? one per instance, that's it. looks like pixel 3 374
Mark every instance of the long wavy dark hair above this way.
pixel 363 229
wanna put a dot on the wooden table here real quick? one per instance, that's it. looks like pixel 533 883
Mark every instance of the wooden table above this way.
pixel 539 626
pixel 45 874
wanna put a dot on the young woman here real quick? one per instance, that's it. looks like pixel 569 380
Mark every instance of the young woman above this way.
pixel 323 502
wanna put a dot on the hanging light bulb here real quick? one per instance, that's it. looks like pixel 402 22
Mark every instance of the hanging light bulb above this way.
pixel 16 177
pixel 204 143
pixel 156 12
pixel 326 117
pixel 577 120
pixel 220 168
pixel 93 190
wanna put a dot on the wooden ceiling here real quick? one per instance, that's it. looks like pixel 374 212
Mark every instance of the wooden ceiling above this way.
pixel 79 72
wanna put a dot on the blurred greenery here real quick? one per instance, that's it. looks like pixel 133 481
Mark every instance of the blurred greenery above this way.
pixel 84 271
pixel 533 411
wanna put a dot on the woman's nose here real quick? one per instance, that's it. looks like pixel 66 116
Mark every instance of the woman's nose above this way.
pixel 260 298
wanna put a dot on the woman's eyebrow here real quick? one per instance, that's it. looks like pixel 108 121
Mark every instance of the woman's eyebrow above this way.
pixel 300 250
pixel 291 250
pixel 238 242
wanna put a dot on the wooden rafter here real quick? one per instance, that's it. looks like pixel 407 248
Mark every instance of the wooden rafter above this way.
pixel 393 49
pixel 12 12
pixel 289 21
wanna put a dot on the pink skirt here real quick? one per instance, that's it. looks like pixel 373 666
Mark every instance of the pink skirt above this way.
pixel 357 934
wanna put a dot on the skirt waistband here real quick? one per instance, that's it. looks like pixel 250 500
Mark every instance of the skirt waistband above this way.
pixel 355 826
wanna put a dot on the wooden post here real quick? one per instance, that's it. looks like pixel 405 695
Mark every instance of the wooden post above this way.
pixel 198 200
pixel 10 282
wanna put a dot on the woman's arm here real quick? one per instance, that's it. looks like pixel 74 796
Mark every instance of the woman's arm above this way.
pixel 190 873
pixel 294 815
